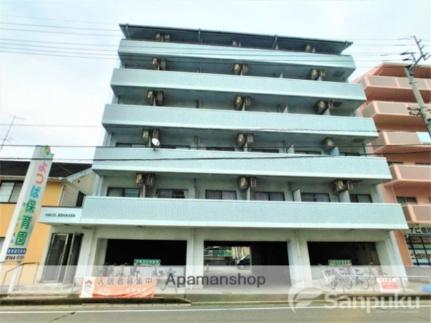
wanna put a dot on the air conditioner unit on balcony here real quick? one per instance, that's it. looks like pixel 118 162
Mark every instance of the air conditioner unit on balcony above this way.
pixel 342 185
pixel 243 183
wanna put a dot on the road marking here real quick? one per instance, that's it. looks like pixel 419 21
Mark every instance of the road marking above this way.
pixel 194 309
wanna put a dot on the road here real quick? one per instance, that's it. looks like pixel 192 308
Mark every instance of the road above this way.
pixel 211 313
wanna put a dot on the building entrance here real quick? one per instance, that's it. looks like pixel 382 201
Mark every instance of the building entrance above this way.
pixel 343 253
pixel 127 252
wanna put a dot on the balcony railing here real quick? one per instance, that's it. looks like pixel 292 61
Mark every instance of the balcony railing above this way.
pixel 185 88
pixel 418 213
pixel 277 124
pixel 390 88
pixel 193 161
pixel 235 214
pixel 401 141
pixel 411 174
pixel 386 112
pixel 260 62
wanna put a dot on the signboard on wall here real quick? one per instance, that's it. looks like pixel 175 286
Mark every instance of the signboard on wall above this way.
pixel 146 262
pixel 118 287
pixel 339 262
pixel 389 284
pixel 27 206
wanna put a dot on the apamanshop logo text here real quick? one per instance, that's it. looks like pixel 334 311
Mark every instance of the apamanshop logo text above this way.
pixel 216 280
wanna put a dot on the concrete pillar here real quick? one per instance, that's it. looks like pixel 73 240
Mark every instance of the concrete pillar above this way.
pixel 334 152
pixel 195 255
pixel 299 260
pixel 389 256
pixel 85 261
pixel 297 195
pixel 344 196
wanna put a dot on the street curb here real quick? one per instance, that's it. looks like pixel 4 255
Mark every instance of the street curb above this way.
pixel 76 301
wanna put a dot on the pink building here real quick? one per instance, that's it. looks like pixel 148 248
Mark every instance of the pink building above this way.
pixel 406 144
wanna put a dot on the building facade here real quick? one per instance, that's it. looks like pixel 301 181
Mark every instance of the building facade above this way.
pixel 228 148
pixel 67 185
pixel 406 144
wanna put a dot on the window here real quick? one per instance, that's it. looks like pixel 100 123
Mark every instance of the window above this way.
pixel 265 150
pixel 395 163
pixel 220 195
pixel 349 154
pixel 123 192
pixel 269 196
pixel 9 191
pixel 406 199
pixel 360 198
pixel 175 146
pixel 122 144
pixel 80 199
pixel 221 148
pixel 171 193
pixel 308 152
pixel 315 197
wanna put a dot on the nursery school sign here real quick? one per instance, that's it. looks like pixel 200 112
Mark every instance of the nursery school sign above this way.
pixel 27 207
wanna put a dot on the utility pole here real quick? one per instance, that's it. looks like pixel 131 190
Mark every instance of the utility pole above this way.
pixel 422 111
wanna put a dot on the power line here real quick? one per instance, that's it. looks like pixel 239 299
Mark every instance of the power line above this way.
pixel 190 51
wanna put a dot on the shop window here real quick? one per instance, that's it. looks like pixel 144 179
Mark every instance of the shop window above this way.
pixel 171 193
pixel 220 195
pixel 269 196
pixel 360 198
pixel 9 191
pixel 406 200
pixel 420 249
pixel 123 192
pixel 315 197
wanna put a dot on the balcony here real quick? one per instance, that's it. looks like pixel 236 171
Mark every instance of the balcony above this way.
pixel 260 62
pixel 406 175
pixel 401 142
pixel 418 213
pixel 276 126
pixel 222 38
pixel 188 161
pixel 185 89
pixel 389 88
pixel 393 113
pixel 236 214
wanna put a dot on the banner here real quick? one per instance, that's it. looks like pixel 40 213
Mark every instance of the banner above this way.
pixel 118 287
pixel 27 206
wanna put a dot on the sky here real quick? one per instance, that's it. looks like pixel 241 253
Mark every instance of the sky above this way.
pixel 57 56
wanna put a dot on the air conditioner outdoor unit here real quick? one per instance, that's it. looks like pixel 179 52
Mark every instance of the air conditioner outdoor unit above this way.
pixel 339 186
pixel 243 183
pixel 328 143
pixel 139 179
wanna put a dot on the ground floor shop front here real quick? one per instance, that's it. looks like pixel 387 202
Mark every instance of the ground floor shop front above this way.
pixel 75 251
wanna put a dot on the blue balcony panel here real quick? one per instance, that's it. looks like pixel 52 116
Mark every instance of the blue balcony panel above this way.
pixel 276 126
pixel 236 214
pixel 189 161
pixel 261 62
pixel 186 88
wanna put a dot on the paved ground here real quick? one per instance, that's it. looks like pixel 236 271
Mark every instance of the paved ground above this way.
pixel 212 313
